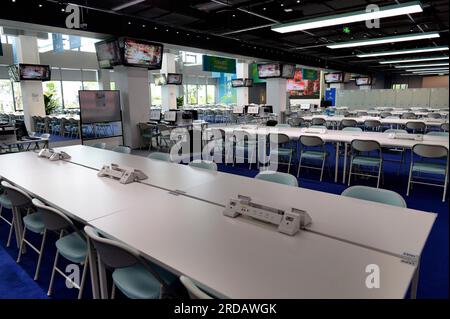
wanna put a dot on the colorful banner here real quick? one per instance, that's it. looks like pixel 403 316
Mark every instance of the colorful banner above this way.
pixel 254 74
pixel 218 64
pixel 227 94
pixel 303 88
pixel 58 44
pixel 309 74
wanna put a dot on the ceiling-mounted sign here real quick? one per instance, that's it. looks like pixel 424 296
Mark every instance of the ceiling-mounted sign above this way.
pixel 308 74
pixel 218 64
pixel 58 44
pixel 74 42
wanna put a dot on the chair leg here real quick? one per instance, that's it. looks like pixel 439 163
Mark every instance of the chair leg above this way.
pixel 409 180
pixel 323 166
pixel 22 242
pixel 11 229
pixel 445 187
pixel 83 276
pixel 379 176
pixel 299 166
pixel 113 291
pixel 41 253
pixel 289 165
pixel 52 278
pixel 350 172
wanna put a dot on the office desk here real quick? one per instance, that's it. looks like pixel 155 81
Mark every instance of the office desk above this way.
pixel 236 258
pixel 161 174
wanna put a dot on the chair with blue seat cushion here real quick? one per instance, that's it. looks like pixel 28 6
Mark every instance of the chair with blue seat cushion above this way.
pixel 379 195
pixel 132 275
pixel 433 160
pixel 280 146
pixel 122 149
pixel 32 221
pixel 204 165
pixel 362 156
pixel 416 127
pixel 277 177
pixel 436 133
pixel 312 149
pixel 160 156
pixel 193 291
pixel 71 244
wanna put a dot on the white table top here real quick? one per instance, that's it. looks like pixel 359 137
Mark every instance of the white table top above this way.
pixel 75 190
pixel 388 228
pixel 161 174
pixel 236 258
pixel 361 119
pixel 339 136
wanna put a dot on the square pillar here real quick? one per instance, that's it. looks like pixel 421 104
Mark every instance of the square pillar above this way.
pixel 168 92
pixel 242 92
pixel 276 94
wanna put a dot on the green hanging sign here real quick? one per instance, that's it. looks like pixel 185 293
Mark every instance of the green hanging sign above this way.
pixel 254 74
pixel 218 64
pixel 308 74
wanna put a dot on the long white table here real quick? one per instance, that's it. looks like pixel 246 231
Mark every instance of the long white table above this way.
pixel 231 257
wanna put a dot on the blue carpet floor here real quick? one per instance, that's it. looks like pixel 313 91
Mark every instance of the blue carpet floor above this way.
pixel 16 281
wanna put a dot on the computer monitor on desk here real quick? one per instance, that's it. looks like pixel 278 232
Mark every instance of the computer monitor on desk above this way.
pixel 170 116
pixel 155 115
pixel 238 110
pixel 253 110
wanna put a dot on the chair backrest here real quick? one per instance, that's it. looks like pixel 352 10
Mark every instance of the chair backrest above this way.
pixel 100 145
pixel 409 116
pixel 122 149
pixel 383 115
pixel 204 165
pixel 430 151
pixel 394 130
pixel 193 291
pixel 311 140
pixel 277 177
pixel 365 145
pixel 52 218
pixel 349 123
pixel 359 114
pixel 375 195
pixel 282 125
pixel 271 123
pixel 372 123
pixel 437 133
pixel 352 129
pixel 18 197
pixel 296 121
pixel 278 138
pixel 318 121
pixel 415 125
pixel 434 115
pixel 160 156
pixel 444 127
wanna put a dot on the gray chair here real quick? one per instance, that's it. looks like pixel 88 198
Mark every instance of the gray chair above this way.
pixel 280 146
pixel 348 123
pixel 433 161
pixel 352 129
pixel 131 274
pixel 416 127
pixel 396 150
pixel 444 127
pixel 122 149
pixel 277 177
pixel 208 165
pixel 100 145
pixel 361 114
pixel 378 195
pixel 71 244
pixel 434 115
pixel 160 156
pixel 193 291
pixel 384 115
pixel 244 143
pixel 408 116
pixel 312 148
pixel 361 151
pixel 6 203
pixel 296 122
pixel 318 121
pixel 372 125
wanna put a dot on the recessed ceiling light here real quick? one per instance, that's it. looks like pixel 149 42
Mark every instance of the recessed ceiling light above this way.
pixel 414 60
pixel 377 41
pixel 399 52
pixel 288 10
pixel 350 17
pixel 420 65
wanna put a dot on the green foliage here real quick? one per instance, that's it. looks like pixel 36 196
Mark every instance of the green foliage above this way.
pixel 180 101
pixel 50 102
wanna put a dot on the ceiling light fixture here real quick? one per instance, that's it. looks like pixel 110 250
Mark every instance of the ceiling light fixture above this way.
pixel 425 69
pixel 398 52
pixel 420 65
pixel 414 60
pixel 377 41
pixel 126 5
pixel 349 17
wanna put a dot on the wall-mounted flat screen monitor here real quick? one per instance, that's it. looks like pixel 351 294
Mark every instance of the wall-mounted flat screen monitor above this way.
pixel 363 81
pixel 155 115
pixel 100 106
pixel 108 53
pixel 248 82
pixel 288 71
pixel 238 110
pixel 142 53
pixel 237 83
pixel 32 72
pixel 334 77
pixel 268 109
pixel 160 79
pixel 269 70
pixel 175 78
pixel 170 116
pixel 253 110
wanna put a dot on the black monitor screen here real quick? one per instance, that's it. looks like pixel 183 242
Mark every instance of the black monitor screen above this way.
pixel 269 70
pixel 363 81
pixel 334 77
pixel 34 72
pixel 100 106
pixel 108 53
pixel 142 53
pixel 248 82
pixel 175 78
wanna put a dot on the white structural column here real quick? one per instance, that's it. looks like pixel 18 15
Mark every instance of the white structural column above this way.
pixel 104 79
pixel 134 94
pixel 32 91
pixel 168 92
pixel 276 94
pixel 242 92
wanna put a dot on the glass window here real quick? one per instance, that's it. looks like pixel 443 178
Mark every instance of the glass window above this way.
pixel 90 85
pixel 18 96
pixel 201 94
pixel 112 85
pixel 210 94
pixel 70 92
pixel 53 88
pixel 192 94
pixel 6 97
pixel 155 91
pixel 399 86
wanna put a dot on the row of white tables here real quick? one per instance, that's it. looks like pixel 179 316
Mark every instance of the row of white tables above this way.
pixel 175 220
